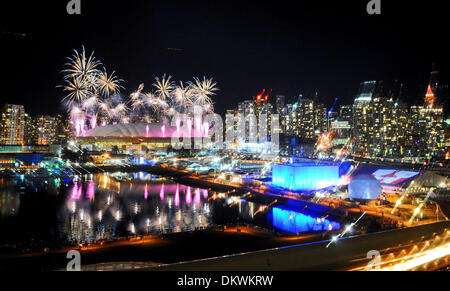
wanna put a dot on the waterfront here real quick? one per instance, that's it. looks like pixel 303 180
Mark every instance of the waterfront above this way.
pixel 104 207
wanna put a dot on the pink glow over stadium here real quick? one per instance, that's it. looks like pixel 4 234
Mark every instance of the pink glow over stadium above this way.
pixel 144 130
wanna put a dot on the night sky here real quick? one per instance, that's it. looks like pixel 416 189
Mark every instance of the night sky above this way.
pixel 292 48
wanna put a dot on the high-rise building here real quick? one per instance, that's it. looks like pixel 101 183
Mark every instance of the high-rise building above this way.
pixel 447 140
pixel 289 119
pixel 305 127
pixel 305 119
pixel 245 114
pixel 279 103
pixel 231 126
pixel 383 127
pixel 346 113
pixel 430 97
pixel 264 117
pixel 320 119
pixel 31 130
pixel 428 126
pixel 431 127
pixel 47 129
pixel 434 79
pixel 403 130
pixel 256 113
pixel 12 125
pixel 380 127
pixel 366 91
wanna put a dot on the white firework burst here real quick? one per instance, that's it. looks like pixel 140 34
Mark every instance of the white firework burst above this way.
pixel 76 113
pixel 104 107
pixel 108 84
pixel 204 90
pixel 81 65
pixel 119 111
pixel 183 95
pixel 137 94
pixel 90 103
pixel 138 104
pixel 164 87
pixel 77 90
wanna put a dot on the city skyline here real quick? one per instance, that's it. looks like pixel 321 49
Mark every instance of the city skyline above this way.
pixel 292 53
pixel 200 135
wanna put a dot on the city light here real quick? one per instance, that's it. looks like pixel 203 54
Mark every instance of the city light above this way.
pixel 162 170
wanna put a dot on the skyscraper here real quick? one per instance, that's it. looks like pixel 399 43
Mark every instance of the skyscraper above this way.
pixel 47 129
pixel 31 130
pixel 346 113
pixel 12 125
pixel 366 91
pixel 305 119
pixel 430 97
pixel 279 103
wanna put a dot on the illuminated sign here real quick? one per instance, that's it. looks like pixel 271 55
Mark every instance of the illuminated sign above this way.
pixel 392 176
pixel 340 125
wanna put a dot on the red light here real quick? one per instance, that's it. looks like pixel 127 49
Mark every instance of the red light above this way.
pixel 258 97
pixel 430 99
pixel 261 96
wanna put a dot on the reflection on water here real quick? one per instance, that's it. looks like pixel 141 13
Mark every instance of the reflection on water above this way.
pixel 9 199
pixel 285 220
pixel 104 208
pixel 295 222
pixel 107 206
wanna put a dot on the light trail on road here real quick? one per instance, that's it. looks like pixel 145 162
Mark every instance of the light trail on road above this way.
pixel 429 255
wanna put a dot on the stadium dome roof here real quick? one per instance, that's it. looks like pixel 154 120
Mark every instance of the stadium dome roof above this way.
pixel 364 187
pixel 152 130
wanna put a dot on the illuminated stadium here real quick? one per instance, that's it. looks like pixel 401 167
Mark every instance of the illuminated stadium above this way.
pixel 305 176
pixel 153 136
pixel 140 130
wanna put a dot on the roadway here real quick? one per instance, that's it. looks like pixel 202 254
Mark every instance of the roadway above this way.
pixel 422 247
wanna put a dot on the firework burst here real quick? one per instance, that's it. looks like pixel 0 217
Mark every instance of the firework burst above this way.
pixel 164 87
pixel 93 95
pixel 204 90
pixel 76 90
pixel 91 103
pixel 90 91
pixel 81 66
pixel 119 111
pixel 108 84
pixel 183 95
pixel 137 94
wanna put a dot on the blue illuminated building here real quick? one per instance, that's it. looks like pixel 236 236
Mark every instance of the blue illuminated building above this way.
pixel 305 176
pixel 295 222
